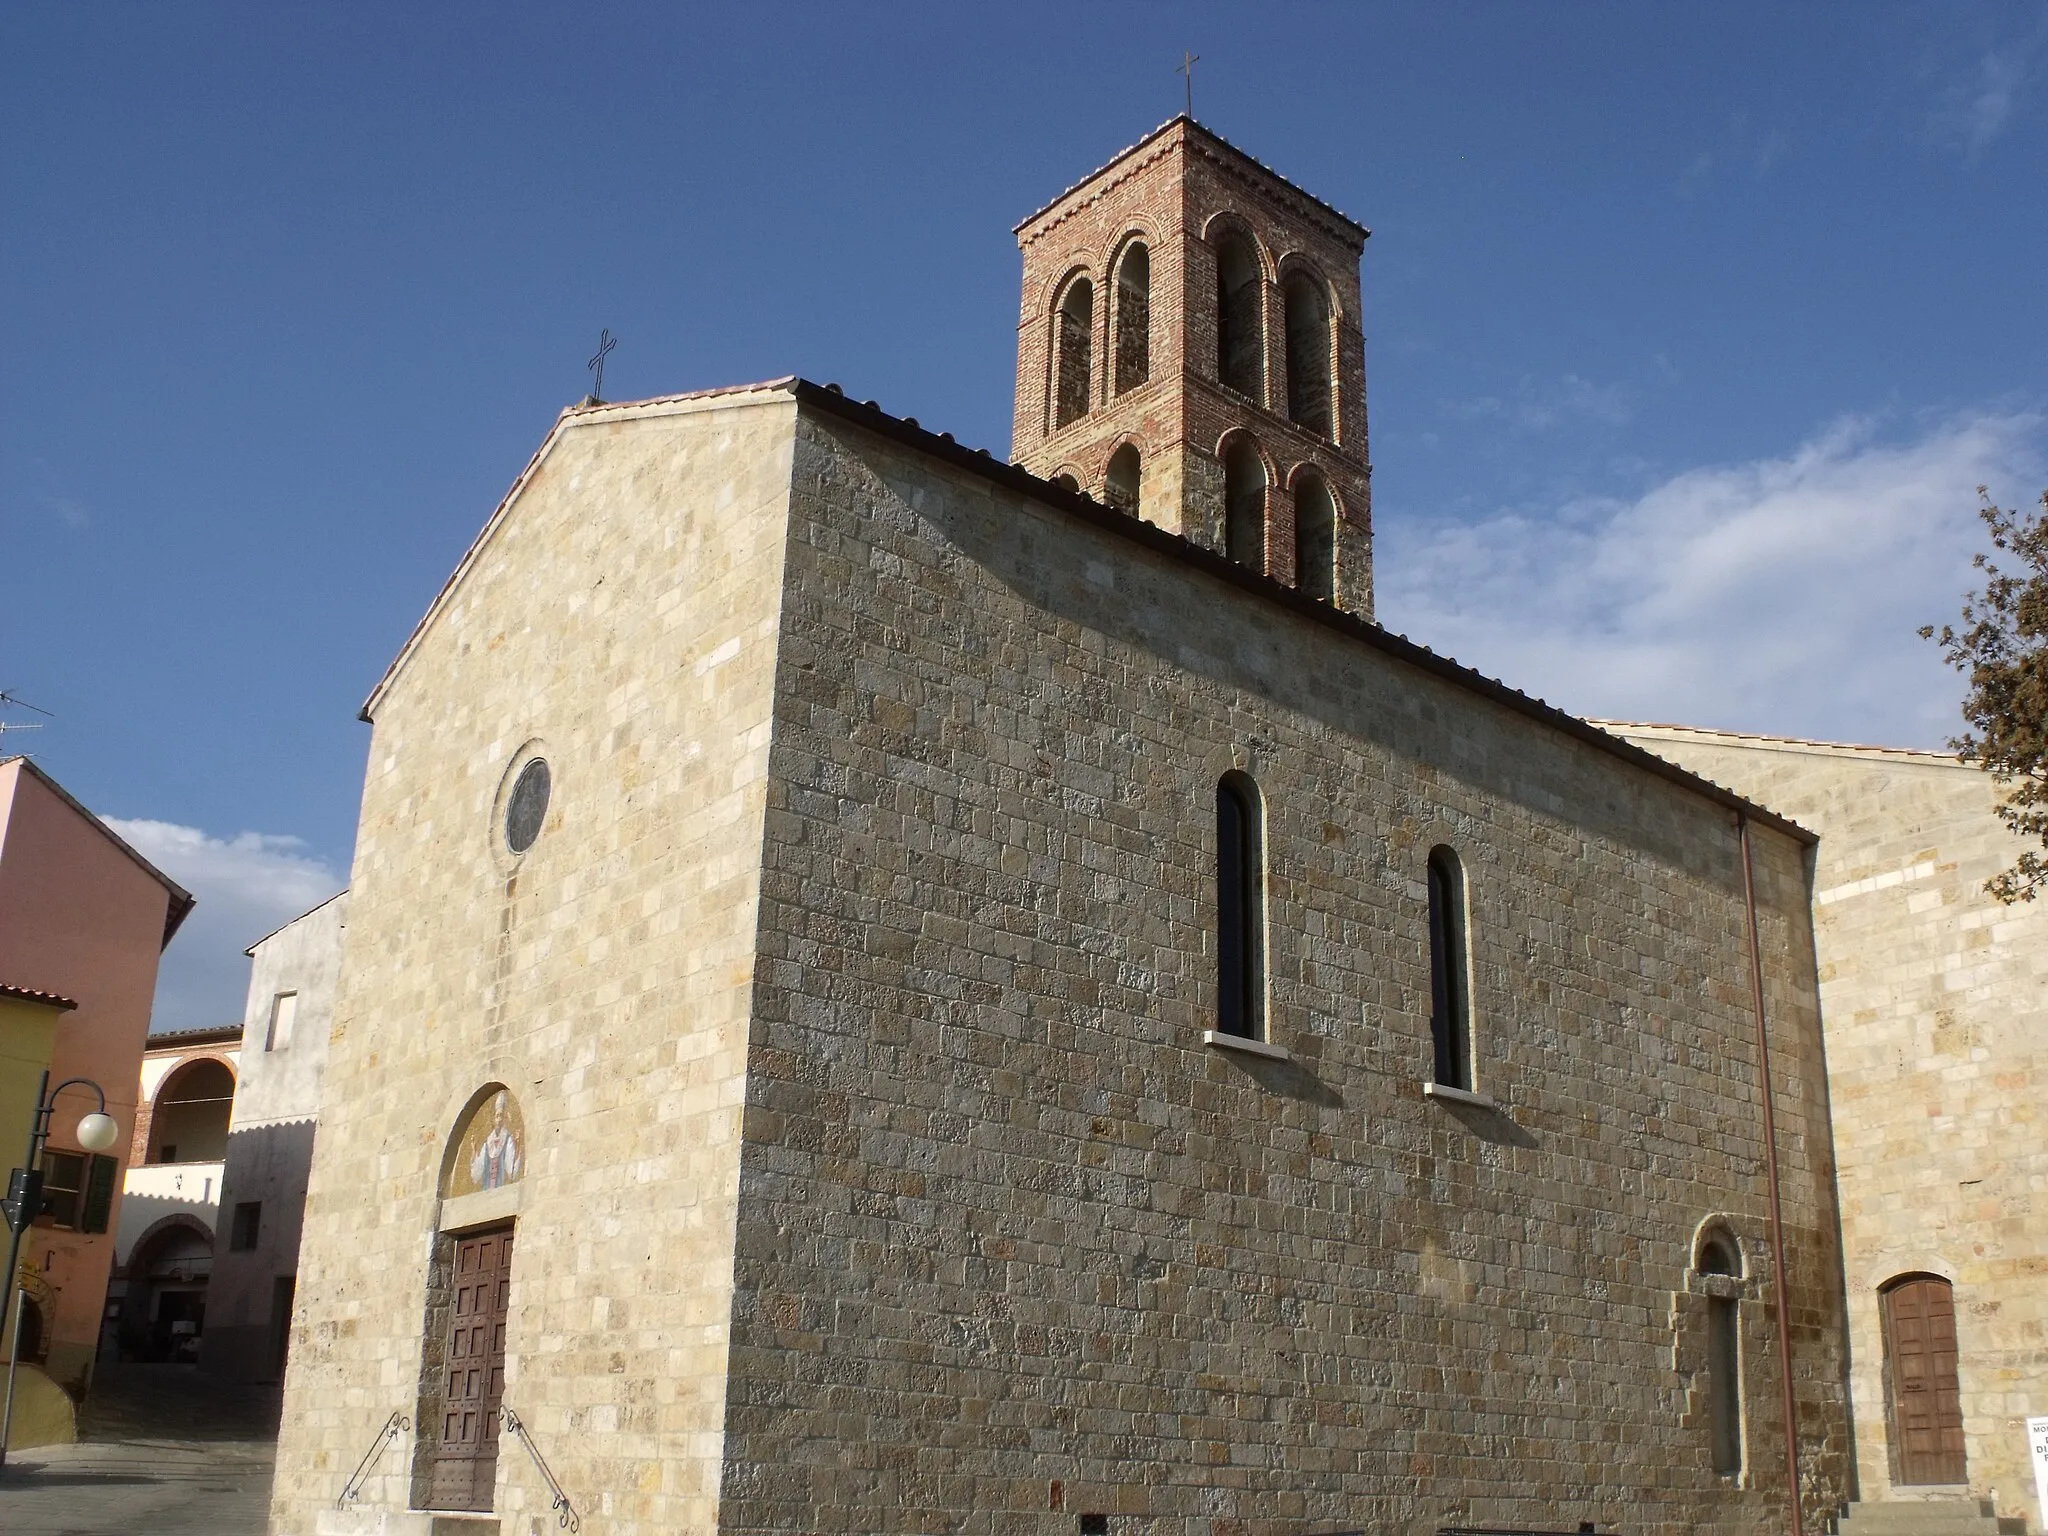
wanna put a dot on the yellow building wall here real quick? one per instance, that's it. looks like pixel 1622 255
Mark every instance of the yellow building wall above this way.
pixel 28 1034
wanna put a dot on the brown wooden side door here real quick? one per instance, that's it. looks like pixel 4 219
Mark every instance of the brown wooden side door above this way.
pixel 466 1459
pixel 1926 1400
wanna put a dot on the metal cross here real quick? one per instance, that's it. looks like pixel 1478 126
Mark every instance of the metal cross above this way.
pixel 605 342
pixel 1188 61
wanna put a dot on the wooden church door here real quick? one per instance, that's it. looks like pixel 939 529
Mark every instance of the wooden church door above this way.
pixel 466 1459
pixel 1926 1401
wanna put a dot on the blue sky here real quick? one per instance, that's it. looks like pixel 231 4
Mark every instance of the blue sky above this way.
pixel 1690 330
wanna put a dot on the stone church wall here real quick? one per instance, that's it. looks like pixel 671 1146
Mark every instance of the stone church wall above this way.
pixel 622 617
pixel 1014 1246
pixel 1935 999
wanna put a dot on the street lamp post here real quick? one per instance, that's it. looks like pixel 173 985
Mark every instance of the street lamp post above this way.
pixel 96 1133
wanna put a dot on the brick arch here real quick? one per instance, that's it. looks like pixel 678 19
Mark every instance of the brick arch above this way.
pixel 1131 234
pixel 1088 369
pixel 1292 263
pixel 145 1113
pixel 1232 434
pixel 185 1064
pixel 1144 457
pixel 1230 221
pixel 1079 263
pixel 1303 471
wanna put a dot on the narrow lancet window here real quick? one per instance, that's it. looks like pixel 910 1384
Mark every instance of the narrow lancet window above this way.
pixel 1074 351
pixel 1133 318
pixel 1724 1359
pixel 1240 909
pixel 1244 504
pixel 1240 339
pixel 1308 353
pixel 1450 1014
pixel 1121 487
pixel 1315 538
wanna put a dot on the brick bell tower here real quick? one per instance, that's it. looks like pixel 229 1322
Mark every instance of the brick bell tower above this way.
pixel 1190 351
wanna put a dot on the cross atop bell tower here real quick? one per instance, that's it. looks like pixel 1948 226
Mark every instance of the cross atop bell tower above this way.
pixel 1189 350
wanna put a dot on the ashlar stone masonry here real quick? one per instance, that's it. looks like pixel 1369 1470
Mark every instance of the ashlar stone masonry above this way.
pixel 1936 1006
pixel 882 1170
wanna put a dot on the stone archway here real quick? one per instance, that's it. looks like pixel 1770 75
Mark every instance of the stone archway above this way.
pixel 163 1307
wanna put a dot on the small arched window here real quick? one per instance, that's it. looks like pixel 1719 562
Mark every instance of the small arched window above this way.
pixel 1315 538
pixel 1133 318
pixel 1450 1010
pixel 1240 339
pixel 1718 1255
pixel 1240 909
pixel 1244 504
pixel 1073 351
pixel 1308 352
pixel 1122 486
pixel 1066 482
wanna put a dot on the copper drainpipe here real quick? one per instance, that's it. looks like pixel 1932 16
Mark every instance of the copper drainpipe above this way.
pixel 1763 1059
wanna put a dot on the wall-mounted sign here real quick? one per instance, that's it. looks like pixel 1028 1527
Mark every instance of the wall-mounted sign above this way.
pixel 2037 1442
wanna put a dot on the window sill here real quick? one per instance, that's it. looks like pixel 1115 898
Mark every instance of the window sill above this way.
pixel 1452 1095
pixel 1246 1044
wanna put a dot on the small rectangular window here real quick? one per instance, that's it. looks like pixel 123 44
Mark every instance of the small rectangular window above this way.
pixel 63 1187
pixel 248 1220
pixel 284 1012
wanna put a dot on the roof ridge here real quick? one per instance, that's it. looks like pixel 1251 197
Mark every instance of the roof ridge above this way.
pixel 181 902
pixel 981 462
pixel 1214 137
pixel 1793 741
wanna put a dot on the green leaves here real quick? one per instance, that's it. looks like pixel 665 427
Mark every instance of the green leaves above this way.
pixel 2002 648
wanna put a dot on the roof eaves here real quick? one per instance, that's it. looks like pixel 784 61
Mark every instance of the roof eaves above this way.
pixel 280 928
pixel 1924 754
pixel 184 1039
pixel 181 900
pixel 980 462
pixel 54 1000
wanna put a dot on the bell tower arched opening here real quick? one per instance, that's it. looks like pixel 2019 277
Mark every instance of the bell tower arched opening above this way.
pixel 1183 297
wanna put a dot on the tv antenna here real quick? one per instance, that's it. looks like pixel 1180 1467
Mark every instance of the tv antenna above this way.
pixel 8 700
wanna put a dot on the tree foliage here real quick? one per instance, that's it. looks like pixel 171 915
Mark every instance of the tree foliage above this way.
pixel 2002 648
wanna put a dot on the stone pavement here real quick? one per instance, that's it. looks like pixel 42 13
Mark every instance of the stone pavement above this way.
pixel 162 1450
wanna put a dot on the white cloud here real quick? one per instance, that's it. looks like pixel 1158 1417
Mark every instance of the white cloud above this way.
pixel 247 885
pixel 1972 113
pixel 1781 595
pixel 1541 405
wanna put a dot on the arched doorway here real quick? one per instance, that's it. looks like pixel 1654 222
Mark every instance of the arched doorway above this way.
pixel 1923 1398
pixel 163 1311
pixel 462 1378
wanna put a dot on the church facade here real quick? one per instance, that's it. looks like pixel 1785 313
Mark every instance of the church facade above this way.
pixel 892 991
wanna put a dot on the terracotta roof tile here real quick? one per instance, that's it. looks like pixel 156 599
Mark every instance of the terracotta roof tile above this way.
pixel 31 995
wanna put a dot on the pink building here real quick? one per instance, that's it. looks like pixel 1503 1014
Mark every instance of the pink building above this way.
pixel 83 915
